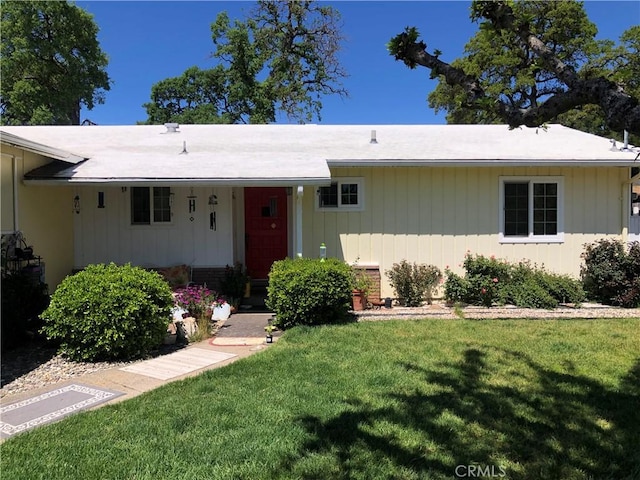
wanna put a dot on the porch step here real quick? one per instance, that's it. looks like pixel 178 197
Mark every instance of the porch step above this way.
pixel 256 302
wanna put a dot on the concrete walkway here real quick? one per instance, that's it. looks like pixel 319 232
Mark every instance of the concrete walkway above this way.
pixel 241 335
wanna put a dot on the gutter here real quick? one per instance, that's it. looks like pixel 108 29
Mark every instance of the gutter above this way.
pixel 191 182
pixel 394 162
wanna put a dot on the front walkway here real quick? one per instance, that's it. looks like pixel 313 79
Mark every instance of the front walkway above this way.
pixel 244 335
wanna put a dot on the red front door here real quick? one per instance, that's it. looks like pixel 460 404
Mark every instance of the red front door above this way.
pixel 265 224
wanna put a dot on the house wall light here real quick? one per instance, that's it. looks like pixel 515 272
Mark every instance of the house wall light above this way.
pixel 76 204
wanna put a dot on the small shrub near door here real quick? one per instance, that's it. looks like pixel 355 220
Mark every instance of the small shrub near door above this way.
pixel 611 272
pixel 413 283
pixel 306 291
pixel 109 312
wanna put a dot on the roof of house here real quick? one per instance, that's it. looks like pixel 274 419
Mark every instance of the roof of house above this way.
pixel 301 154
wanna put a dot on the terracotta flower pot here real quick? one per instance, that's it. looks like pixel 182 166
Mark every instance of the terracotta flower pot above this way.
pixel 359 299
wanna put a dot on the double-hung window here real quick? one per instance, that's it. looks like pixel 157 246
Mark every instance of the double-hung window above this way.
pixel 342 194
pixel 531 209
pixel 150 205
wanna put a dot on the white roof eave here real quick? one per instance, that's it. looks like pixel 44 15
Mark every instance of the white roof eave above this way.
pixel 16 141
pixel 502 162
pixel 192 182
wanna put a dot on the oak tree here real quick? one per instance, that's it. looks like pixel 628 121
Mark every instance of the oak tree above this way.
pixel 531 62
pixel 282 59
pixel 51 63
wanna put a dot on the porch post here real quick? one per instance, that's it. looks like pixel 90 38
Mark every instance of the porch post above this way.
pixel 299 193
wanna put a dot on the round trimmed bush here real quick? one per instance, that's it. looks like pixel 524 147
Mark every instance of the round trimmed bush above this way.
pixel 109 312
pixel 305 291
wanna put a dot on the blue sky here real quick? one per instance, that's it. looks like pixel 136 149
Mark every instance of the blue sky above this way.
pixel 148 41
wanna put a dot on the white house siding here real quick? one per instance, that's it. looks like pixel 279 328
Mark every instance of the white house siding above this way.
pixel 106 234
pixel 436 215
pixel 44 215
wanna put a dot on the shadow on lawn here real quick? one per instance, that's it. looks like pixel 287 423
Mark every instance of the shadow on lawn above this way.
pixel 557 425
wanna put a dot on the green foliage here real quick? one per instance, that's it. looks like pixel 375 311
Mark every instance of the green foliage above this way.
pixel 109 312
pixel 508 69
pixel 491 281
pixel 309 291
pixel 510 72
pixel 413 283
pixel 282 58
pixel 234 282
pixel 398 45
pixel 22 301
pixel 51 63
pixel 611 273
pixel 361 281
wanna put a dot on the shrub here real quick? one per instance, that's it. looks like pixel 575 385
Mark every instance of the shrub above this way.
pixel 309 291
pixel 490 281
pixel 610 272
pixel 22 302
pixel 456 288
pixel 413 283
pixel 109 312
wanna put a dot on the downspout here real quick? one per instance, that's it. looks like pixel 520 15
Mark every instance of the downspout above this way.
pixel 15 194
pixel 299 194
pixel 14 172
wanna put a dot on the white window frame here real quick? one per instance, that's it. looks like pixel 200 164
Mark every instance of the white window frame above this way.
pixel 339 181
pixel 531 238
pixel 151 208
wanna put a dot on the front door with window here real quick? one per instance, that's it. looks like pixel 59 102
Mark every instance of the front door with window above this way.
pixel 265 217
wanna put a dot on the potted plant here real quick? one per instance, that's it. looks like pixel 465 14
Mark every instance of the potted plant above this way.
pixel 234 283
pixel 269 332
pixel 361 288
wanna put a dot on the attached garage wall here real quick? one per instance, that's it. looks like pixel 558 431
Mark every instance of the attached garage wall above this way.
pixel 44 215
pixel 436 215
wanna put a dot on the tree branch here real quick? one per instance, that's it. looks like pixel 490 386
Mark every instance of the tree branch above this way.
pixel 622 111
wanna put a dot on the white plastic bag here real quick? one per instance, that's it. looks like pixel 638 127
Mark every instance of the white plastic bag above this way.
pixel 221 311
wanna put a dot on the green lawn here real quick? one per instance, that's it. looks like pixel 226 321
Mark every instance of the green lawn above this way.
pixel 527 399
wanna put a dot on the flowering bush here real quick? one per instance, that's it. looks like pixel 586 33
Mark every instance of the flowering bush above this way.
pixel 611 272
pixel 413 283
pixel 489 281
pixel 195 299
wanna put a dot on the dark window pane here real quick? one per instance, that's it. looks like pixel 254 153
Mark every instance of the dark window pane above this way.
pixel 349 193
pixel 516 209
pixel 140 206
pixel 329 196
pixel 545 213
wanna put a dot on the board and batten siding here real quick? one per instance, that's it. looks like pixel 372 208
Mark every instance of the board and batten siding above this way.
pixel 434 215
pixel 44 214
pixel 104 235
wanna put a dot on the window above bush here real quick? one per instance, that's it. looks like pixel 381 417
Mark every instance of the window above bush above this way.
pixel 531 209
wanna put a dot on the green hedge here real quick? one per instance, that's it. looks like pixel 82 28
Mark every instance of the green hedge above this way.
pixel 109 312
pixel 309 291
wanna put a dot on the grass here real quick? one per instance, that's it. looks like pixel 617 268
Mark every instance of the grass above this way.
pixel 398 399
